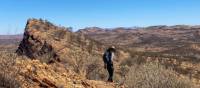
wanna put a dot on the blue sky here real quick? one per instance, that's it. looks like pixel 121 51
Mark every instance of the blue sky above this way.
pixel 101 13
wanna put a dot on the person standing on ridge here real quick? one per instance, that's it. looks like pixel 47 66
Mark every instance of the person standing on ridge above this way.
pixel 108 62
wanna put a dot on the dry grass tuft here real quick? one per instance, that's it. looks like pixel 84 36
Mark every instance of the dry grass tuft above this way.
pixel 8 72
pixel 153 75
pixel 7 81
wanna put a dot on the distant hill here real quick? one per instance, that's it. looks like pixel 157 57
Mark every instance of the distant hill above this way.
pixel 19 36
pixel 10 39
pixel 153 38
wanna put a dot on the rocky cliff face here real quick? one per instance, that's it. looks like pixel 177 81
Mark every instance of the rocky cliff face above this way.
pixel 52 43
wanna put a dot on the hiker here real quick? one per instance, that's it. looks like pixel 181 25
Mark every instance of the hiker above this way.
pixel 108 62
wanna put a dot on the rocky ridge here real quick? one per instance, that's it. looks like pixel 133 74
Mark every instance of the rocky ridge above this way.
pixel 49 49
pixel 43 39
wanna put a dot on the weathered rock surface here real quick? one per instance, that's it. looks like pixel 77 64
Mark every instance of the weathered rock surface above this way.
pixel 52 43
pixel 34 74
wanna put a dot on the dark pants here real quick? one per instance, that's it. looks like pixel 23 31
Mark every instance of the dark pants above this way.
pixel 110 71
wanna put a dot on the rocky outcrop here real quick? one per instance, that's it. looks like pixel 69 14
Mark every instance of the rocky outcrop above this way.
pixel 52 43
pixel 44 42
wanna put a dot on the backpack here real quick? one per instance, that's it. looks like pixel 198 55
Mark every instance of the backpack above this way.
pixel 104 58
